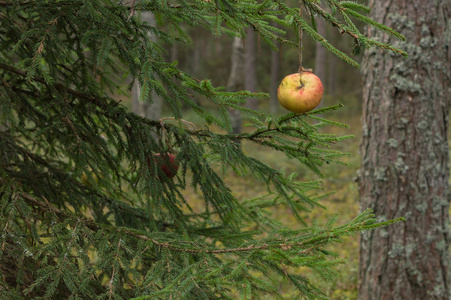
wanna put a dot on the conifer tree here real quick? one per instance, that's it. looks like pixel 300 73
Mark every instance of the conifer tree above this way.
pixel 91 206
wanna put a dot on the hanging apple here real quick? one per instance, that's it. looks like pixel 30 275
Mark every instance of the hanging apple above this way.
pixel 300 92
pixel 167 162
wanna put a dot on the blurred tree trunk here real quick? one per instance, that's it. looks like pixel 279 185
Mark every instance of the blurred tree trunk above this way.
pixel 235 81
pixel 274 80
pixel 198 54
pixel 332 60
pixel 173 53
pixel 405 150
pixel 331 82
pixel 274 85
pixel 151 110
pixel 320 55
pixel 250 68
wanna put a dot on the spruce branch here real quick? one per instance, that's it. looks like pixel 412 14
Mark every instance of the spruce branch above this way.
pixel 20 3
pixel 318 240
pixel 58 86
pixel 331 19
pixel 369 21
pixel 119 206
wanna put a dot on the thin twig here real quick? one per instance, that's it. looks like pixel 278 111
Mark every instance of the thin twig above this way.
pixel 132 10
pixel 301 69
pixel 301 32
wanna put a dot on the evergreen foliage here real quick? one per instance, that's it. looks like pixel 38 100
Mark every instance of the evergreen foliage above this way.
pixel 87 213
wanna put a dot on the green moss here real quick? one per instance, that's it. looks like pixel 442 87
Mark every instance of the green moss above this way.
pixel 383 232
pixel 422 206
pixel 396 250
pixel 381 174
pixel 392 143
pixel 422 125
pixel 442 245
pixel 404 84
pixel 401 22
pixel 400 166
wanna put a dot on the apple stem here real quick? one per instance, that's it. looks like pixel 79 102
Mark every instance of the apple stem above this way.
pixel 165 133
pixel 190 124
pixel 301 31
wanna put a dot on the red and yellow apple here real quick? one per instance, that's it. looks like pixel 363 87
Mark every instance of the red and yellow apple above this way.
pixel 300 92
pixel 167 162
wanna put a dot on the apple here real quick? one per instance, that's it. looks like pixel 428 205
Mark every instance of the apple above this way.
pixel 300 92
pixel 167 162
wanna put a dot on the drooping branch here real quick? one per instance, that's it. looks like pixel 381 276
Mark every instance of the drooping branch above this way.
pixel 306 246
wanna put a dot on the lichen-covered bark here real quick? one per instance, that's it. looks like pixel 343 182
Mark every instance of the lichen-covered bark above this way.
pixel 405 168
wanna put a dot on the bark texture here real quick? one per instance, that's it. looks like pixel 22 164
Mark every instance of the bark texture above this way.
pixel 405 169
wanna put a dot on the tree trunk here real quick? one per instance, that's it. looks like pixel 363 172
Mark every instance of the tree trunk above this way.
pixel 332 74
pixel 332 61
pixel 235 81
pixel 250 78
pixel 274 85
pixel 320 54
pixel 173 53
pixel 405 154
pixel 151 110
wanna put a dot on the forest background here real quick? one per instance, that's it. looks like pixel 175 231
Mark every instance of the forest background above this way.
pixel 210 57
